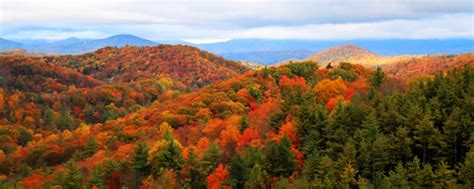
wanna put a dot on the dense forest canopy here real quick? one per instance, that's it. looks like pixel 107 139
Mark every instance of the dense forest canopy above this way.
pixel 87 122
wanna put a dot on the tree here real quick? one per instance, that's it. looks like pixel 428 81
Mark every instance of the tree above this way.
pixel 165 153
pixel 70 177
pixel 311 119
pixel 139 160
pixel 98 178
pixel 196 176
pixel 256 178
pixel 65 121
pixel 89 149
pixel 377 77
pixel 466 172
pixel 445 178
pixel 216 179
pixel 426 136
pixel 211 158
pixel 238 172
pixel 280 158
pixel 397 178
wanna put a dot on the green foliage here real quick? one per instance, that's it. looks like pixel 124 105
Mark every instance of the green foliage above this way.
pixel 238 172
pixel 139 159
pixel 166 154
pixel 70 177
pixel 280 158
pixel 211 158
pixel 377 78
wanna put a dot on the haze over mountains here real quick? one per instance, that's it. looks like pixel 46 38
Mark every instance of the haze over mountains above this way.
pixel 262 51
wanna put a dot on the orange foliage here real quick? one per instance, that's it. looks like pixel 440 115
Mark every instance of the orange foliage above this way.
pixel 327 89
pixel 293 82
pixel 288 129
pixel 250 136
pixel 215 180
pixel 33 181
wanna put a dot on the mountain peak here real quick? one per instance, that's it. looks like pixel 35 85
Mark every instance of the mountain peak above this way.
pixel 123 36
pixel 341 54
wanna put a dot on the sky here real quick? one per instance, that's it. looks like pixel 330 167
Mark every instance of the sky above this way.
pixel 202 21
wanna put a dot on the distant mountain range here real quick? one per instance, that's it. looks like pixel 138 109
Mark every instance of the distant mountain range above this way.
pixel 263 51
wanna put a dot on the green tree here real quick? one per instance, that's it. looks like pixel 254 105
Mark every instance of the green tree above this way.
pixel 238 171
pixel 211 158
pixel 98 178
pixel 256 178
pixel 377 78
pixel 397 178
pixel 70 177
pixel 196 177
pixel 427 137
pixel 466 171
pixel 165 153
pixel 65 121
pixel 280 158
pixel 139 161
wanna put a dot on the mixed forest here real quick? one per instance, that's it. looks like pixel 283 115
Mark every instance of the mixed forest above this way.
pixel 178 117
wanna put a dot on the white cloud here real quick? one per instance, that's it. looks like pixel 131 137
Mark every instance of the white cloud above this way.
pixel 217 19
pixel 54 34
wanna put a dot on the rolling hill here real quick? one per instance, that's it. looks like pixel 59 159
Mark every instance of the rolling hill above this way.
pixel 7 44
pixel 428 65
pixel 193 67
pixel 356 55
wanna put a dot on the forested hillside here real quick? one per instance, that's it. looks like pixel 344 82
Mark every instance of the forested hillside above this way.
pixel 189 65
pixel 429 64
pixel 293 126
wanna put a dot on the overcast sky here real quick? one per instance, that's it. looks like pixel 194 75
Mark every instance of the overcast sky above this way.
pixel 216 20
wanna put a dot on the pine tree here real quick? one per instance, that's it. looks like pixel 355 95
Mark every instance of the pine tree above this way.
pixel 65 121
pixel 98 178
pixel 196 177
pixel 211 158
pixel 466 172
pixel 397 178
pixel 70 177
pixel 238 171
pixel 165 154
pixel 256 178
pixel 139 161
pixel 377 78
pixel 426 136
pixel 445 177
pixel 280 158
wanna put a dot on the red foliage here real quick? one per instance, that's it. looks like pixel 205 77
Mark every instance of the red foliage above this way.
pixel 293 83
pixel 215 180
pixel 33 181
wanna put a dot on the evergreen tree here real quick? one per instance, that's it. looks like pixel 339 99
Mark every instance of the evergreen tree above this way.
pixel 196 177
pixel 445 177
pixel 238 171
pixel 139 161
pixel 280 158
pixel 211 158
pixel 70 177
pixel 98 178
pixel 466 171
pixel 397 178
pixel 377 78
pixel 427 137
pixel 65 121
pixel 256 178
pixel 165 154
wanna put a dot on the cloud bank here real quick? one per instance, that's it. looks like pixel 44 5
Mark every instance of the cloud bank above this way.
pixel 207 20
